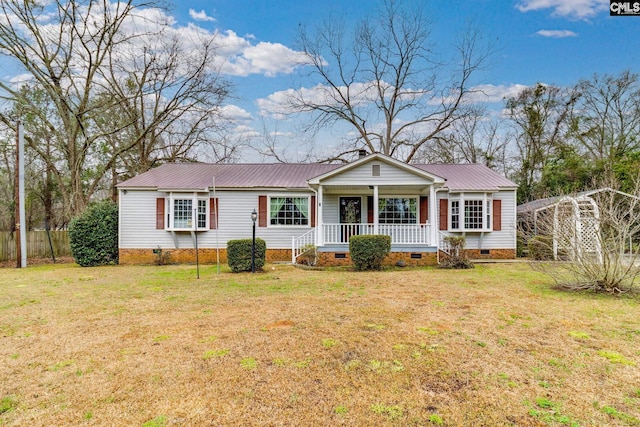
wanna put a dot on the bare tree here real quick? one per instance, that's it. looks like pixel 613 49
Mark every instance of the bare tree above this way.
pixel 169 104
pixel 116 80
pixel 7 181
pixel 540 115
pixel 386 81
pixel 606 121
pixel 473 139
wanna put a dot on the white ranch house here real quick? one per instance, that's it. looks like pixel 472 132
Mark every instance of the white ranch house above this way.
pixel 178 207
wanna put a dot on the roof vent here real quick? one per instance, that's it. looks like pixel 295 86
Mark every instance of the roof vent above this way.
pixel 362 153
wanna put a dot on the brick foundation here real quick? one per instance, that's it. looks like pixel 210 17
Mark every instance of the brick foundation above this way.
pixel 325 259
pixel 329 259
pixel 493 254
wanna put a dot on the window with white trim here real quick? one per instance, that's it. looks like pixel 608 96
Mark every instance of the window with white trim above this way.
pixel 183 210
pixel 289 210
pixel 455 214
pixel 473 214
pixel 398 210
pixel 470 212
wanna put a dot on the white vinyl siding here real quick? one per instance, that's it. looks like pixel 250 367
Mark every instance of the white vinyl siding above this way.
pixel 363 175
pixel 137 226
pixel 503 239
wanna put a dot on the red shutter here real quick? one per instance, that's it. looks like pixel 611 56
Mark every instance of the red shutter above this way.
pixel 160 213
pixel 213 213
pixel 497 215
pixel 313 211
pixel 262 211
pixel 369 209
pixel 444 214
pixel 424 209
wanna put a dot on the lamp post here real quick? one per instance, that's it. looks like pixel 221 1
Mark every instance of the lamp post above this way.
pixel 254 216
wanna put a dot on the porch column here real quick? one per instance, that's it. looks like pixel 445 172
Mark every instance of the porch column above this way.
pixel 375 210
pixel 319 224
pixel 433 215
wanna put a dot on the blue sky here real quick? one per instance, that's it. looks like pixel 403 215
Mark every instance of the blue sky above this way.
pixel 550 41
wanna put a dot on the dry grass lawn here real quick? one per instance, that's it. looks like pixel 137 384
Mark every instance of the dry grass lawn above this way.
pixel 154 346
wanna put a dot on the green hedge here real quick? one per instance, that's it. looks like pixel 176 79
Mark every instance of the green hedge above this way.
pixel 368 251
pixel 239 254
pixel 93 236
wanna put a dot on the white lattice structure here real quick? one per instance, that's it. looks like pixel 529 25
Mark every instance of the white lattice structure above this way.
pixel 576 228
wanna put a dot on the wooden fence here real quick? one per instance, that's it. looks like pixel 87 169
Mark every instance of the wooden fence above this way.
pixel 38 245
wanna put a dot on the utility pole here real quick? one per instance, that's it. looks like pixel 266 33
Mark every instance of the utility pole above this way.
pixel 21 226
pixel 16 199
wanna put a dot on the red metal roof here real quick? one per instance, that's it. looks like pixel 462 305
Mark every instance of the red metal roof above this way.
pixel 200 176
pixel 469 177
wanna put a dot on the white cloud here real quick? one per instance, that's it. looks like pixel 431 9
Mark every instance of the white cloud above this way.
pixel 278 104
pixel 200 16
pixel 235 114
pixel 243 58
pixel 484 94
pixel 245 132
pixel 494 93
pixel 556 34
pixel 148 28
pixel 21 79
pixel 573 9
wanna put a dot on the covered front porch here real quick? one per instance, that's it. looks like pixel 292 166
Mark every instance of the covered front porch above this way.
pixel 403 213
pixel 404 238
pixel 374 195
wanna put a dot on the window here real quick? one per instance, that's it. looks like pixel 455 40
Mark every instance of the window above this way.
pixel 289 211
pixel 455 214
pixel 399 210
pixel 202 213
pixel 471 212
pixel 182 213
pixel 473 215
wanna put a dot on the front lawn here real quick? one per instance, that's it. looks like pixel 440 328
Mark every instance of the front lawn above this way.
pixel 155 346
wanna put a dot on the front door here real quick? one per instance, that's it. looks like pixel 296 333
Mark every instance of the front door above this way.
pixel 350 214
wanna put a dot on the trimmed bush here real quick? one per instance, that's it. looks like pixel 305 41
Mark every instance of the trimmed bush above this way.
pixel 368 251
pixel 239 254
pixel 454 255
pixel 93 236
pixel 540 248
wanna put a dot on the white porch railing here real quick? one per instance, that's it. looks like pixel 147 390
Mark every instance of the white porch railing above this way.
pixel 400 233
pixel 301 243
pixel 441 246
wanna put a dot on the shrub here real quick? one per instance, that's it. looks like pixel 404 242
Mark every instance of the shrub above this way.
pixel 93 236
pixel 454 254
pixel 239 254
pixel 368 252
pixel 309 256
pixel 540 248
